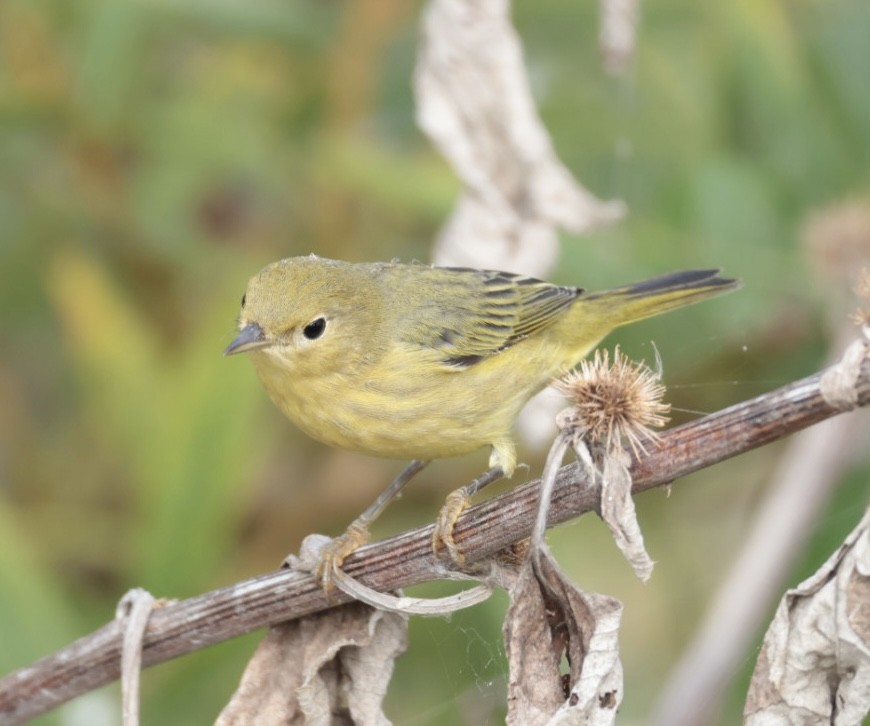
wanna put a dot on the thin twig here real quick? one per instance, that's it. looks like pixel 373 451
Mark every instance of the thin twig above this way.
pixel 406 559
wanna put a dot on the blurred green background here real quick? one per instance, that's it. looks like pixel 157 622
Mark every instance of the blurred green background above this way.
pixel 154 155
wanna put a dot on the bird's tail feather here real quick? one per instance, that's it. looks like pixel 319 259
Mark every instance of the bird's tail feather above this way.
pixel 660 294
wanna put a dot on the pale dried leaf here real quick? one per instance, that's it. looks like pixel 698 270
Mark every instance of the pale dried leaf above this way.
pixel 814 665
pixel 329 668
pixel 620 515
pixel 838 384
pixel 550 618
pixel 616 36
pixel 474 101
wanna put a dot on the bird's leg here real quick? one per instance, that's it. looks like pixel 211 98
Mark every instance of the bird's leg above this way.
pixel 357 534
pixel 455 504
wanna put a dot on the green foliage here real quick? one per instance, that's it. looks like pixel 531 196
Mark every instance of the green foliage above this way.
pixel 153 155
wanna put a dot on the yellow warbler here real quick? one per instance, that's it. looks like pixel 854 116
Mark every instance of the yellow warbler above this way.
pixel 418 362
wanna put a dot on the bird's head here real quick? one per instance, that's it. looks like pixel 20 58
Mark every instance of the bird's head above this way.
pixel 308 314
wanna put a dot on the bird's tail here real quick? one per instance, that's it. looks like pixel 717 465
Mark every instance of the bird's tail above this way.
pixel 660 294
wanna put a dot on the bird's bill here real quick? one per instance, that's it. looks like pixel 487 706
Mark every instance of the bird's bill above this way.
pixel 250 337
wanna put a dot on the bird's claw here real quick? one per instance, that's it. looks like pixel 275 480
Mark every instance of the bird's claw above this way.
pixel 442 537
pixel 333 555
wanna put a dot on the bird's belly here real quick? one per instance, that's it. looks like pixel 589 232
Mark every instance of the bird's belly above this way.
pixel 382 424
pixel 433 414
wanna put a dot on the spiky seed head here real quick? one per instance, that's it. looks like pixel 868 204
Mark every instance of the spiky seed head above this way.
pixel 612 403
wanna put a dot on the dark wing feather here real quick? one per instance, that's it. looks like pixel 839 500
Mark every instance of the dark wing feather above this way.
pixel 482 312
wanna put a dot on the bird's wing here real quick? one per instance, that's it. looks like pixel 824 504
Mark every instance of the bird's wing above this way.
pixel 482 312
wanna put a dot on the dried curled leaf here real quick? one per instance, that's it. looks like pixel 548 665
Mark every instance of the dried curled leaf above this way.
pixel 333 667
pixel 619 514
pixel 550 618
pixel 814 665
pixel 475 102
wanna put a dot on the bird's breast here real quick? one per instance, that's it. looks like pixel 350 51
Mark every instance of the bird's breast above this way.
pixel 406 405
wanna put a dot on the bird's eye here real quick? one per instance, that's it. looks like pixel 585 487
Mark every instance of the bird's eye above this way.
pixel 314 329
pixel 243 300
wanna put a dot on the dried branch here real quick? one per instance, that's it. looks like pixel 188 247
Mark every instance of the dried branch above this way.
pixel 407 559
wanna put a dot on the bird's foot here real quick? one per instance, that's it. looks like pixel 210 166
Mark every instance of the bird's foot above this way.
pixel 455 504
pixel 336 551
